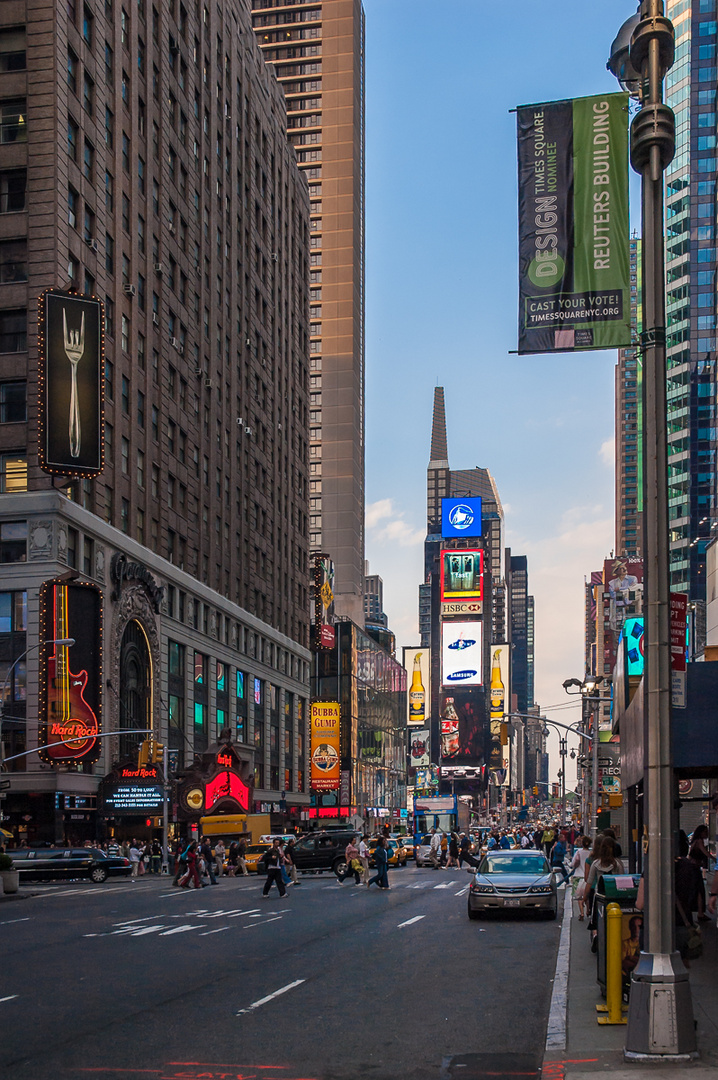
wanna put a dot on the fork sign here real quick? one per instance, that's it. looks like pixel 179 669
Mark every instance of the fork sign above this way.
pixel 74 349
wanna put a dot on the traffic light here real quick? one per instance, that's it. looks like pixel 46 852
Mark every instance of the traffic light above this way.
pixel 157 752
pixel 535 789
pixel 554 790
pixel 143 755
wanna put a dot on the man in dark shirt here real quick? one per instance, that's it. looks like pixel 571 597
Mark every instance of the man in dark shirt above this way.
pixel 206 853
pixel 273 859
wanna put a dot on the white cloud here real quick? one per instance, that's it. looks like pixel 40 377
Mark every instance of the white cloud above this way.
pixel 607 452
pixel 395 530
pixel 376 511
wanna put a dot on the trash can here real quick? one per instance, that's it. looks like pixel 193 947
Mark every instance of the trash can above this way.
pixel 621 889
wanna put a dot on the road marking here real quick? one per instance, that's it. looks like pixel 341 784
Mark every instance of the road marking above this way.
pixel 10 998
pixel 417 918
pixel 445 885
pixel 181 929
pixel 558 1014
pixel 9 921
pixel 131 922
pixel 217 931
pixel 271 997
pixel 462 892
pixel 249 911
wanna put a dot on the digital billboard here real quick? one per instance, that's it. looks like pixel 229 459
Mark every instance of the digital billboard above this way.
pixel 322 599
pixel 462 574
pixel 633 633
pixel 462 726
pixel 418 667
pixel 71 384
pixel 461 654
pixel 499 699
pixel 419 747
pixel 70 674
pixel 460 518
pixel 325 720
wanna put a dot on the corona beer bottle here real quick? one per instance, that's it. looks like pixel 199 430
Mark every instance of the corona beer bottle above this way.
pixel 417 694
pixel 497 689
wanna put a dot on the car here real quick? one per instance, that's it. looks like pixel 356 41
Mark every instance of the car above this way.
pixel 422 851
pixel 253 858
pixel 54 864
pixel 319 851
pixel 513 880
pixel 396 851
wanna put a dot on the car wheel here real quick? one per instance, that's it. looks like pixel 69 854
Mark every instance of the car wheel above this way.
pixel 471 912
pixel 98 874
pixel 340 867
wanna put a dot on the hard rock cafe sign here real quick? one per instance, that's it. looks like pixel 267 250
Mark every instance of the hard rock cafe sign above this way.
pixel 122 570
pixel 221 783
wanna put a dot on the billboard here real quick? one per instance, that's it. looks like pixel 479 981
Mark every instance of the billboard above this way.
pixel 419 748
pixel 462 725
pixel 462 574
pixel 461 654
pixel 633 634
pixel 499 699
pixel 574 277
pixel 417 663
pixel 71 384
pixel 460 518
pixel 325 720
pixel 322 598
pixel 70 675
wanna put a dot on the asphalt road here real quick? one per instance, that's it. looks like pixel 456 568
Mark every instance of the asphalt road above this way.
pixel 331 983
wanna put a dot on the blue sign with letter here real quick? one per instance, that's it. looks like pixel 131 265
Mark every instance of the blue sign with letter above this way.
pixel 461 517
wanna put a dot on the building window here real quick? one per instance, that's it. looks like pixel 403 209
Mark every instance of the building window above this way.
pixel 12 190
pixel 88 94
pixel 13 612
pixel 13 402
pixel 12 50
pixel 13 541
pixel 13 331
pixel 13 121
pixel 88 160
pixel 13 261
pixel 72 64
pixel 73 133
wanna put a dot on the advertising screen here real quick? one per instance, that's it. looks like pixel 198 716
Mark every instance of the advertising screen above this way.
pixel 462 574
pixel 499 698
pixel 462 725
pixel 322 597
pixel 416 662
pixel 71 384
pixel 460 518
pixel 419 747
pixel 325 719
pixel 461 654
pixel 633 633
pixel 141 799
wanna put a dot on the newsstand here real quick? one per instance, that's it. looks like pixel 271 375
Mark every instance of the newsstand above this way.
pixel 621 889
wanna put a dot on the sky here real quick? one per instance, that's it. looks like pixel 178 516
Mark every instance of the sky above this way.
pixel 442 77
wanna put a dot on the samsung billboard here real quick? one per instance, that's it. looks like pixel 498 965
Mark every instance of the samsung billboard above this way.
pixel 461 654
pixel 460 518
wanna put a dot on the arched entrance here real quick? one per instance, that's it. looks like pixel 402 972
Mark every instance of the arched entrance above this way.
pixel 135 687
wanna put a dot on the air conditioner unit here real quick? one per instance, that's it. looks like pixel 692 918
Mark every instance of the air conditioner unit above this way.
pixel 198 371
pixel 155 319
pixel 208 384
pixel 279 427
pixel 240 421
pixel 129 290
pixel 249 341
pixel 275 256
pixel 180 350
pixel 248 431
pixel 91 243
pixel 159 268
pixel 172 229
pixel 174 342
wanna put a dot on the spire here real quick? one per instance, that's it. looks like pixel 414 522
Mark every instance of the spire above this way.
pixel 439 448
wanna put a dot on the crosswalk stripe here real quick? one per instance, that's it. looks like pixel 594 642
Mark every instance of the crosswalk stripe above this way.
pixel 181 929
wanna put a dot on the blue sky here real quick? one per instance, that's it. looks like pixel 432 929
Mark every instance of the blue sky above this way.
pixel 441 296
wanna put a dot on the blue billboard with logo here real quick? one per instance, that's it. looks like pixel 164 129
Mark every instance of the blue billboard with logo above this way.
pixel 460 517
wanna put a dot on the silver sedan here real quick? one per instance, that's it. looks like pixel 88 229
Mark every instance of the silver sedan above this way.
pixel 513 880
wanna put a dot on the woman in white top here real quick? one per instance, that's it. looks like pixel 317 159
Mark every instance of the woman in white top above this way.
pixel 578 866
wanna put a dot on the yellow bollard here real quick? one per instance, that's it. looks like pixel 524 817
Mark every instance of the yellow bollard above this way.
pixel 612 1013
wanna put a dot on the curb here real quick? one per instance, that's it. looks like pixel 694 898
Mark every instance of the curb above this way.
pixel 556 1036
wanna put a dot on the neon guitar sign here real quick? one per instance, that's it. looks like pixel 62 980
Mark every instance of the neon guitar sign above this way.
pixel 70 720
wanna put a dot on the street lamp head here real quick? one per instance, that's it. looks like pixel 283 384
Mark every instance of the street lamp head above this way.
pixel 571 682
pixel 619 62
pixel 62 641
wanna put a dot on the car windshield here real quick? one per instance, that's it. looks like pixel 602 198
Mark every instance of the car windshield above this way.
pixel 509 864
pixel 257 849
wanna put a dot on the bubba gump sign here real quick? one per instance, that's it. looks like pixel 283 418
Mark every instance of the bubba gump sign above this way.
pixel 325 724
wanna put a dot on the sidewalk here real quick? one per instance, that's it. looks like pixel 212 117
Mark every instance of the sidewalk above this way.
pixel 578 1047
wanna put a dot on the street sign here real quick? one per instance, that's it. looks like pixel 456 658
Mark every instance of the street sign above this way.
pixel 4 785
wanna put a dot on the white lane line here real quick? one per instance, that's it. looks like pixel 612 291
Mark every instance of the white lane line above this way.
pixel 463 892
pixel 142 930
pixel 556 1038
pixel 249 911
pixel 271 997
pixel 9 921
pixel 10 998
pixel 132 922
pixel 445 885
pixel 417 918
pixel 182 929
pixel 250 925
pixel 217 931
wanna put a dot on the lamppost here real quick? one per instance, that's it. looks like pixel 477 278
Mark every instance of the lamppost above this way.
pixel 660 1016
pixel 68 642
pixel 591 700
pixel 562 776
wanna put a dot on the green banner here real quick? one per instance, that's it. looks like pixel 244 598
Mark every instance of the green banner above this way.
pixel 574 279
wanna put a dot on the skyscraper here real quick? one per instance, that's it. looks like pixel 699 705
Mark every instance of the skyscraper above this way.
pixel 691 295
pixel 521 630
pixel 629 430
pixel 317 52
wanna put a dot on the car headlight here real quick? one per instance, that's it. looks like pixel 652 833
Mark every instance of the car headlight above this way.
pixel 541 889
pixel 482 888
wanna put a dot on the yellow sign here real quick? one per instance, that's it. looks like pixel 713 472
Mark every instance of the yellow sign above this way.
pixel 195 798
pixel 325 723
pixel 326 594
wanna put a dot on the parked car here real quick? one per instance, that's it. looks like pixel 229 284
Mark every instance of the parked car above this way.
pixel 513 880
pixel 320 851
pixel 53 864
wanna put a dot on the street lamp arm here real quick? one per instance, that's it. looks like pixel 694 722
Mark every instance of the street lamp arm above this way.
pixel 65 742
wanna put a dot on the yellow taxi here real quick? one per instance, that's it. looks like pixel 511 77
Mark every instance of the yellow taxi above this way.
pixel 253 857
pixel 396 851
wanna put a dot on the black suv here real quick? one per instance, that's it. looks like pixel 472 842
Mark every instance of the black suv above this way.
pixel 321 851
pixel 52 864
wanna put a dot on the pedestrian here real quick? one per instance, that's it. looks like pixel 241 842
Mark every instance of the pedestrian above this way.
pixel 505 841
pixel 538 837
pixel 351 856
pixel 206 853
pixel 699 854
pixel 547 839
pixel 135 860
pixel 156 858
pixel 290 863
pixel 688 884
pixel 190 857
pixel 232 859
pixel 578 866
pixel 113 848
pixel 241 853
pixel 604 862
pixel 364 858
pixel 381 862
pixel 524 840
pixel 180 862
pixel 453 859
pixel 273 861
pixel 465 851
pixel 434 849
pixel 219 856
pixel 558 857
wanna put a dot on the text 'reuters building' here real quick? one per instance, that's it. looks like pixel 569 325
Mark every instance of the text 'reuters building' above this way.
pixel 317 51
pixel 144 159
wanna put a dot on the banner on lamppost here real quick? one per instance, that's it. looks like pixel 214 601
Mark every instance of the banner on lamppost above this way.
pixel 574 275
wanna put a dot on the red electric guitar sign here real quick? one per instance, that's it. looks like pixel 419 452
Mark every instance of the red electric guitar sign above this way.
pixel 72 676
